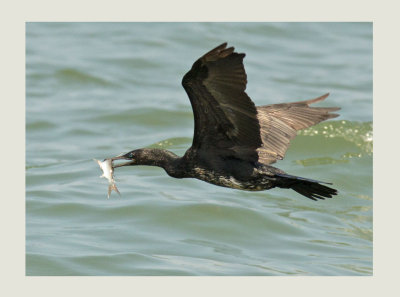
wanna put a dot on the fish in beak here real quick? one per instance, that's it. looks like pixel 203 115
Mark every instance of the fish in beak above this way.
pixel 108 173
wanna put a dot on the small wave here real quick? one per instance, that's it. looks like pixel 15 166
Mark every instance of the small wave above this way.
pixel 358 133
pixel 40 125
pixel 172 142
pixel 132 63
pixel 72 76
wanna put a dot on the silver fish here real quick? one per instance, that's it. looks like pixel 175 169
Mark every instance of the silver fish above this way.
pixel 108 173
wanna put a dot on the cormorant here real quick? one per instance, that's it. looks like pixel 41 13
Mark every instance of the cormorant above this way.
pixel 235 141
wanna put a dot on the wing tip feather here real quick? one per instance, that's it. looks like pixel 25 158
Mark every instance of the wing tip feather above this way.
pixel 315 100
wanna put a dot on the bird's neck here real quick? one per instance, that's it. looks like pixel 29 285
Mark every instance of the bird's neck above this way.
pixel 158 157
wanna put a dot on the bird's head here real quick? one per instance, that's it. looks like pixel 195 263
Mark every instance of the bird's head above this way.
pixel 147 156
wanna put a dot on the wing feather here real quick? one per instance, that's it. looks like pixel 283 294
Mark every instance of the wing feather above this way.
pixel 280 123
pixel 225 117
pixel 228 122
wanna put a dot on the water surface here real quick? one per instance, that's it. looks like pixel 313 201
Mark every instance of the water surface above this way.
pixel 94 90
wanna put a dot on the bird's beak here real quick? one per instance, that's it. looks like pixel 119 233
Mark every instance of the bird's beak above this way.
pixel 122 157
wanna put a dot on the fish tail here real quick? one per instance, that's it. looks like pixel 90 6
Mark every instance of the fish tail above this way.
pixel 111 187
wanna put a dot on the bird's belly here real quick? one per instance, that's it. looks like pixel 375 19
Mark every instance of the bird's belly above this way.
pixel 257 184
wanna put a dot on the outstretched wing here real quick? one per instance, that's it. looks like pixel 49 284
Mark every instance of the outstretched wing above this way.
pixel 280 123
pixel 225 117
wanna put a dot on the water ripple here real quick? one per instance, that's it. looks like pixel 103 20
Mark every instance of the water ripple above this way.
pixel 94 90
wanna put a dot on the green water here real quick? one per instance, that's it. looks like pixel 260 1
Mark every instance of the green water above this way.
pixel 94 90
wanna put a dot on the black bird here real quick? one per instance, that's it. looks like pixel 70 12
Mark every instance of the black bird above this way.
pixel 235 141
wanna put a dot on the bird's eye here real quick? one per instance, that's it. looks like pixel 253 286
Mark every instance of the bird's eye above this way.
pixel 128 155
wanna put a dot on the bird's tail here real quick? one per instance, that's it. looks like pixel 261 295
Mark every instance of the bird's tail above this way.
pixel 307 187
